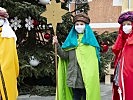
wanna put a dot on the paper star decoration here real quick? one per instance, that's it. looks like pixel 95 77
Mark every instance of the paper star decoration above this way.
pixel 54 13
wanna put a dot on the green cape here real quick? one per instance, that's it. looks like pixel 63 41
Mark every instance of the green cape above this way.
pixel 90 74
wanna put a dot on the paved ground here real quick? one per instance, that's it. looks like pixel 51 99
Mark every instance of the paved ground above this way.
pixel 105 94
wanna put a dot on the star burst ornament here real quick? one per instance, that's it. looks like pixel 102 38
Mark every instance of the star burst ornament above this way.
pixel 29 23
pixel 15 23
pixel 54 13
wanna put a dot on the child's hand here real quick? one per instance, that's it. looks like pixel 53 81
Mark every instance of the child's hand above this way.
pixel 55 40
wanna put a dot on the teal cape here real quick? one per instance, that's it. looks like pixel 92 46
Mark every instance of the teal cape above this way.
pixel 88 39
pixel 89 69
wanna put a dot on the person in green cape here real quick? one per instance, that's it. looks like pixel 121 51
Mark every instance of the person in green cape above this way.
pixel 78 69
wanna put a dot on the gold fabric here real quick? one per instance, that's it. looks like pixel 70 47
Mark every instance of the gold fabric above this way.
pixel 9 67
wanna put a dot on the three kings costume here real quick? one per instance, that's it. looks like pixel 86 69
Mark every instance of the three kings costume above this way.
pixel 9 66
pixel 123 50
pixel 87 54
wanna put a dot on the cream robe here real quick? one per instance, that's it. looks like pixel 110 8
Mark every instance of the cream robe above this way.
pixel 9 67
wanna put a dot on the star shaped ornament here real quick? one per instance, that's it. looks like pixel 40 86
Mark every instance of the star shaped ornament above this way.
pixel 54 13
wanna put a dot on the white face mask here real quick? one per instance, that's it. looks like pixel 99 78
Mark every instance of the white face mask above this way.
pixel 80 28
pixel 127 29
pixel 2 22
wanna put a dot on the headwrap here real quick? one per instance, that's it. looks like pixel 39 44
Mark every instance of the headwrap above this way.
pixel 7 31
pixel 120 42
pixel 88 39
pixel 3 13
pixel 121 38
pixel 81 17
pixel 126 16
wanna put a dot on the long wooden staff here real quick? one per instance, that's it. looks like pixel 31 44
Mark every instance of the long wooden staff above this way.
pixel 56 66
pixel 3 84
pixel 54 15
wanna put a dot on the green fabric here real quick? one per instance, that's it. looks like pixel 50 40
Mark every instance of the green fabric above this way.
pixel 90 71
pixel 64 92
pixel 88 39
pixel 89 68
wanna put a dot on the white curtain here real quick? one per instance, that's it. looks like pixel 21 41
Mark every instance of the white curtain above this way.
pixel 117 2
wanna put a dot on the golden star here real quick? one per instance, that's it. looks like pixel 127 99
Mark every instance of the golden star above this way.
pixel 54 13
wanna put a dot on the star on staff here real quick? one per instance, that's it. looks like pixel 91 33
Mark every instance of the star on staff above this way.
pixel 54 13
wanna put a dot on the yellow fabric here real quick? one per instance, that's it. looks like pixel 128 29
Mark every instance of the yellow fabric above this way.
pixel 9 66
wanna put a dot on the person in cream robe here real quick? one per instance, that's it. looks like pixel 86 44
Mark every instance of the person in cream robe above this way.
pixel 9 65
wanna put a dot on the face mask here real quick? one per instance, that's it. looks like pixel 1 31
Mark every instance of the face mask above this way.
pixel 80 28
pixel 127 29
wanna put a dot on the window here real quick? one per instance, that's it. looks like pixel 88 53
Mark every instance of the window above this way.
pixel 117 2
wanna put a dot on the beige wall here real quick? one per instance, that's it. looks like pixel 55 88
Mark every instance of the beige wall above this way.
pixel 103 11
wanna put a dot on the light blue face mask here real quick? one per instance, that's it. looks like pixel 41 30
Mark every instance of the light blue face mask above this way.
pixel 1 22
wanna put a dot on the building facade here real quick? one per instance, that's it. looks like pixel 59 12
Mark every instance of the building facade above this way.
pixel 104 13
